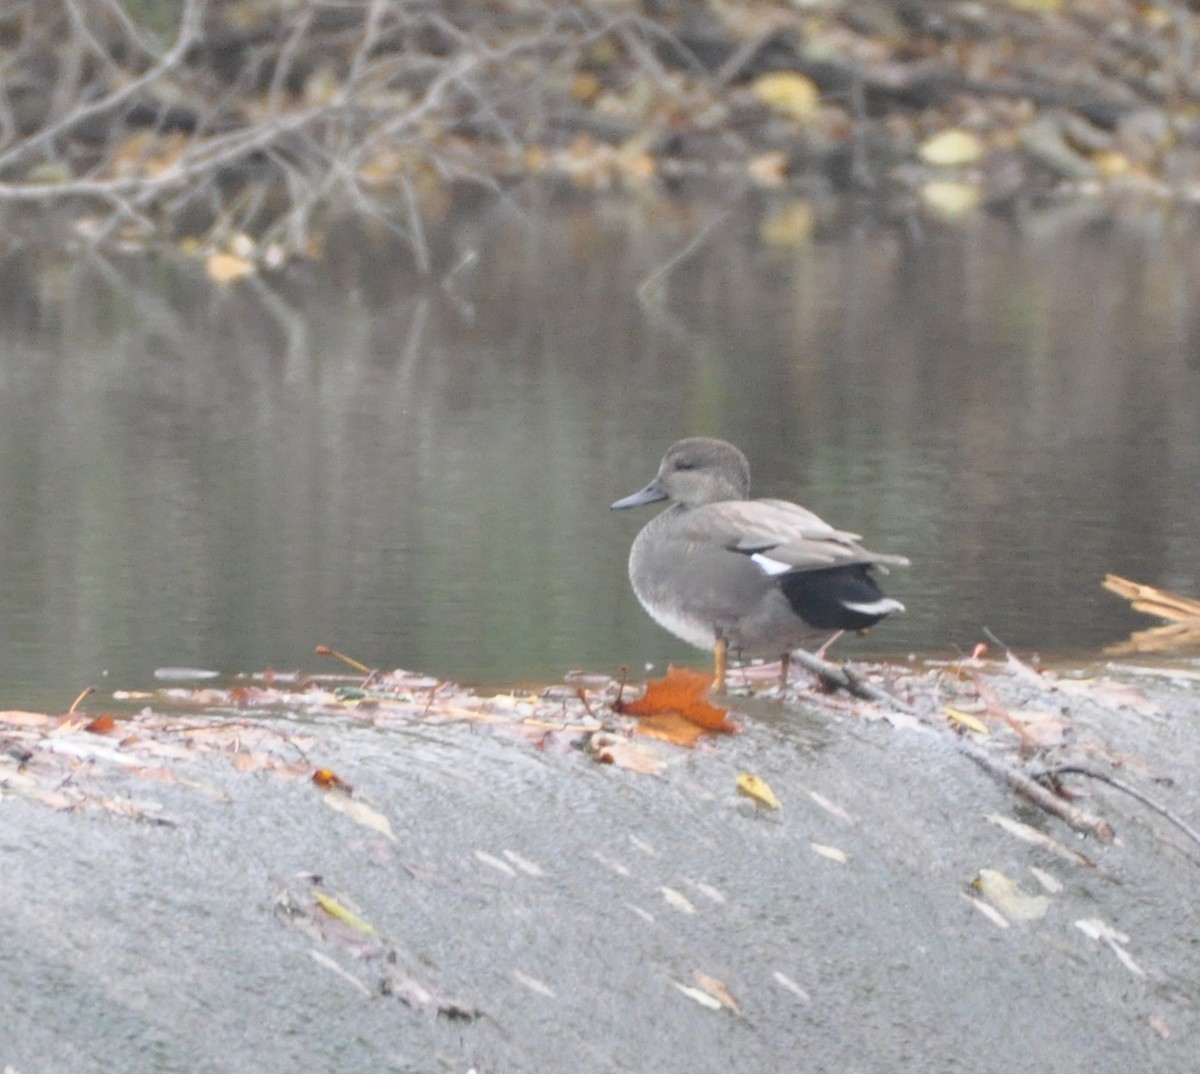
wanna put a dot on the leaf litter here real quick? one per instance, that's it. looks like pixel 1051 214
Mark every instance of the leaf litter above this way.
pixel 257 726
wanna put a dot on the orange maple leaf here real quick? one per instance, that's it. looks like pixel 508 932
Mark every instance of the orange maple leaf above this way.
pixel 676 708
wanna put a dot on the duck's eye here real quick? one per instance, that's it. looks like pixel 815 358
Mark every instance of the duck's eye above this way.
pixel 683 465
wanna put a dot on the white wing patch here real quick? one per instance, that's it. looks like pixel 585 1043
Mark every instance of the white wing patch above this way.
pixel 769 565
pixel 883 606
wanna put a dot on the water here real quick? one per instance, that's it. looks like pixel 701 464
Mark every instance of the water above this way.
pixel 420 473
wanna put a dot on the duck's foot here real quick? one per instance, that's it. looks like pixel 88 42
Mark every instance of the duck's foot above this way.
pixel 820 653
pixel 720 664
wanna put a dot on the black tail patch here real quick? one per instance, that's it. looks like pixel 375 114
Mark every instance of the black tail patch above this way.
pixel 820 597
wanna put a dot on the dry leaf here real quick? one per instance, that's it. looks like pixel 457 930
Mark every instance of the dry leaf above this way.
pixel 832 808
pixel 635 756
pixel 533 984
pixel 716 989
pixel 951 199
pixel 965 719
pixel 495 863
pixel 225 268
pixel 360 813
pixel 676 707
pixel 679 901
pixel 757 788
pixel 951 149
pixel 699 995
pixel 784 981
pixel 789 226
pixel 1006 895
pixel 1029 834
pixel 348 917
pixel 526 866
pixel 1100 930
pixel 768 169
pixel 789 94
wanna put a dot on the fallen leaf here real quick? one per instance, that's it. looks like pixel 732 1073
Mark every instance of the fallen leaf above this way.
pixel 832 853
pixel 789 94
pixel 526 866
pixel 990 912
pixel 951 149
pixel 1051 884
pixel 832 808
pixel 226 268
pixel 101 725
pixel 495 863
pixel 699 995
pixel 621 752
pixel 1039 729
pixel 784 981
pixel 360 813
pixel 679 901
pixel 533 984
pixel 965 719
pixel 716 989
pixel 1097 929
pixel 789 226
pixel 676 707
pixel 323 959
pixel 757 788
pixel 348 917
pixel 951 198
pixel 1006 895
pixel 1029 834
pixel 769 169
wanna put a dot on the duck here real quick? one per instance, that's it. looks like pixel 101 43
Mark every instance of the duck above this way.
pixel 751 578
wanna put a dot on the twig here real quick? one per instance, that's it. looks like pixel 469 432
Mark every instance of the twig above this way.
pixel 844 677
pixel 1074 768
pixel 1026 785
pixel 650 286
pixel 189 29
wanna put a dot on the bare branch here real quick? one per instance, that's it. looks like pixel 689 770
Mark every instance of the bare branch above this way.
pixel 189 29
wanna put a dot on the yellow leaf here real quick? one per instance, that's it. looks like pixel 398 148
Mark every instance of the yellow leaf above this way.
pixel 789 94
pixel 951 198
pixel 951 149
pixel 965 719
pixel 754 787
pixel 225 268
pixel 790 225
pixel 348 917
pixel 1112 163
pixel 1007 896
pixel 586 88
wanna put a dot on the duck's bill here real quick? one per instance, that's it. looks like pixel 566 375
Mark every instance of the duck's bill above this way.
pixel 652 493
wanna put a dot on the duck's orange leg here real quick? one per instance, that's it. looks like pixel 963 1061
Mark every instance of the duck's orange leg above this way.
pixel 720 662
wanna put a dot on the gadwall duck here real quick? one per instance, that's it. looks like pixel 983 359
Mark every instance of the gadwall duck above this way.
pixel 755 577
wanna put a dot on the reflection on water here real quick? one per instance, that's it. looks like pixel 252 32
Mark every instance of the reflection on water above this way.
pixel 421 474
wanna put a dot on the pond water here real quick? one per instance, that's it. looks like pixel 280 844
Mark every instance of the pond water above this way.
pixel 417 470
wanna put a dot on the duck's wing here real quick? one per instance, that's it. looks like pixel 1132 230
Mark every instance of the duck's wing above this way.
pixel 781 536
